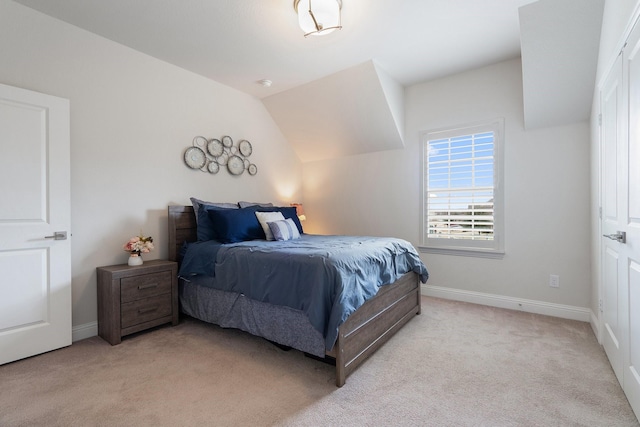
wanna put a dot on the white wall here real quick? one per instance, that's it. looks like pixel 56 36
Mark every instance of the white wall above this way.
pixel 616 25
pixel 132 117
pixel 546 181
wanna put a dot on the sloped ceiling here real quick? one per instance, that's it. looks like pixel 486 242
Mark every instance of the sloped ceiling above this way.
pixel 342 94
pixel 559 44
pixel 361 110
pixel 239 42
pixel 354 111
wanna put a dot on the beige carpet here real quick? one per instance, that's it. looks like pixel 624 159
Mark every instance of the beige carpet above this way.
pixel 457 364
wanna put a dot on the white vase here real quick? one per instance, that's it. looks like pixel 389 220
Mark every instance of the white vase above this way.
pixel 135 259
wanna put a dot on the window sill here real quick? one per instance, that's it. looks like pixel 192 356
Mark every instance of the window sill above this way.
pixel 468 252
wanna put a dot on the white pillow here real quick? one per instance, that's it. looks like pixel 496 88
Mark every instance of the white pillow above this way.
pixel 284 230
pixel 264 217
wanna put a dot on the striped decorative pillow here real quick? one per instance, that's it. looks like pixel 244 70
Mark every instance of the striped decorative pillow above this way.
pixel 284 230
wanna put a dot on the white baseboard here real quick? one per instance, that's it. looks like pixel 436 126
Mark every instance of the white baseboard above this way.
pixel 81 332
pixel 529 306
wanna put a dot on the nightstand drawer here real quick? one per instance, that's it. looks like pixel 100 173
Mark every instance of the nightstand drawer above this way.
pixel 136 312
pixel 144 286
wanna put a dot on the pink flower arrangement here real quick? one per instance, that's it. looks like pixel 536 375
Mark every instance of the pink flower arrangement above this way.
pixel 139 244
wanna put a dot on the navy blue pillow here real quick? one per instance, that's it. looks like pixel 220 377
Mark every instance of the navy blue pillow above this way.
pixel 205 229
pixel 235 225
pixel 287 212
pixel 197 203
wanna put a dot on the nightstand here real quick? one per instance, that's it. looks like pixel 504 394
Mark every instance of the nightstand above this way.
pixel 132 299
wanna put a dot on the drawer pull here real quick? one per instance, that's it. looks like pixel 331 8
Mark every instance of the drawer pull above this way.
pixel 147 310
pixel 149 286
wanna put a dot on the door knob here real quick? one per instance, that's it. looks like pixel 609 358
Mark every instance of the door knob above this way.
pixel 620 236
pixel 58 235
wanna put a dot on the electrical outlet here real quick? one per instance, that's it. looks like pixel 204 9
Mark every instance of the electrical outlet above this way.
pixel 554 281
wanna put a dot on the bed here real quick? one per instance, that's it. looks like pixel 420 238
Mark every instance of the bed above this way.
pixel 364 331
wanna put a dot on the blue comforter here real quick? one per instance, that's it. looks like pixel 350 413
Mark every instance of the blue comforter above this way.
pixel 326 277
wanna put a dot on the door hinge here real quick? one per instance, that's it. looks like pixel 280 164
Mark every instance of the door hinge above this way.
pixel 623 47
pixel 600 305
pixel 600 119
pixel 600 212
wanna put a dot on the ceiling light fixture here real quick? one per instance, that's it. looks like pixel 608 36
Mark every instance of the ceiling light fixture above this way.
pixel 318 17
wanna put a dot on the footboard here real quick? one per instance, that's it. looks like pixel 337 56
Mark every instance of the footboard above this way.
pixel 375 323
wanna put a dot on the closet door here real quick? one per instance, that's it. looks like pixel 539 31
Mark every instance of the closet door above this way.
pixel 615 292
pixel 630 175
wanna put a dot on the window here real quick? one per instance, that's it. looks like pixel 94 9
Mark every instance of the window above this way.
pixel 462 190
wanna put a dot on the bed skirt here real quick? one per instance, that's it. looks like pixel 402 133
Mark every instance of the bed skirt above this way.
pixel 283 325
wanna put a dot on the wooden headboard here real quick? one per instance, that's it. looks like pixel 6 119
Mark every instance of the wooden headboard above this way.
pixel 182 228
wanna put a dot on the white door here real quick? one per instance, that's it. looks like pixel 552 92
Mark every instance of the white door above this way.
pixel 35 269
pixel 614 297
pixel 630 251
pixel 620 109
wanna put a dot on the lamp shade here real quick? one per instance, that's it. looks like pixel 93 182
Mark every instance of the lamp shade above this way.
pixel 318 17
pixel 299 211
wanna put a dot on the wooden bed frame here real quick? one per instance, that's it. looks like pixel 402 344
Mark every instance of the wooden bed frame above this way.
pixel 364 331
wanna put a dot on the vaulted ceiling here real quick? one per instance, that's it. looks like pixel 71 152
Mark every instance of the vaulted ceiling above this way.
pixel 560 42
pixel 342 94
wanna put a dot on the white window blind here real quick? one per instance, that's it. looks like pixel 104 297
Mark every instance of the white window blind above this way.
pixel 461 178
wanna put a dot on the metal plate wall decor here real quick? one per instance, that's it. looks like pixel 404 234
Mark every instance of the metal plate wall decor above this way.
pixel 194 157
pixel 210 155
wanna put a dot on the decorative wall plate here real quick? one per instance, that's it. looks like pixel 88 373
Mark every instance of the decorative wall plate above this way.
pixel 252 169
pixel 222 160
pixel 235 164
pixel 195 158
pixel 213 167
pixel 227 141
pixel 245 148
pixel 215 147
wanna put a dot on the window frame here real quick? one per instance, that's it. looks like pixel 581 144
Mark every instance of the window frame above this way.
pixel 466 247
